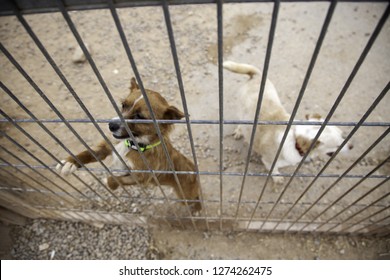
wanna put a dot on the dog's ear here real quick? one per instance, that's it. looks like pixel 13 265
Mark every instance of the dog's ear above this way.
pixel 172 113
pixel 303 144
pixel 133 84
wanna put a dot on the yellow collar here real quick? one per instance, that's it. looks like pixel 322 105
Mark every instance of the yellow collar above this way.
pixel 142 147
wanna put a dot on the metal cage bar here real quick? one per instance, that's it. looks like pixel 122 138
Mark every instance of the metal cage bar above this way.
pixel 309 71
pixel 141 86
pixel 365 219
pixel 175 58
pixel 356 68
pixel 43 6
pixel 267 61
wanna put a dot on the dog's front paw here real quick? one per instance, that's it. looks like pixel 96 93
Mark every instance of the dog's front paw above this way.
pixel 196 207
pixel 66 167
pixel 237 134
pixel 277 180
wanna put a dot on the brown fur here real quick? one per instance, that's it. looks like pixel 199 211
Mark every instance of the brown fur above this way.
pixel 134 107
pixel 303 144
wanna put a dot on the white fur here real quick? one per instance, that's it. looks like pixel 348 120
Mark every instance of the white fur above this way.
pixel 122 150
pixel 66 168
pixel 145 139
pixel 268 137
pixel 330 138
pixel 136 101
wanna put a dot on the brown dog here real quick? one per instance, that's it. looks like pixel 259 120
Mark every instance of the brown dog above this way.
pixel 134 107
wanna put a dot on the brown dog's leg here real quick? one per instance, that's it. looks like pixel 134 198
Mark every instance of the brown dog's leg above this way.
pixel 190 190
pixel 69 165
pixel 102 150
pixel 123 180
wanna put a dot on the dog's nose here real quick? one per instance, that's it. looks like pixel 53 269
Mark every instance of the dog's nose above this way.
pixel 350 146
pixel 113 126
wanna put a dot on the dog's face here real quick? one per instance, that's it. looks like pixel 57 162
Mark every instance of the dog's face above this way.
pixel 329 141
pixel 134 108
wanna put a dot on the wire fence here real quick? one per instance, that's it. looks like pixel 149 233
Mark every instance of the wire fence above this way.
pixel 40 127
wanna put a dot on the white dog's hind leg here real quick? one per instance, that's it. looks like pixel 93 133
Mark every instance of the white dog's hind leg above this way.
pixel 276 179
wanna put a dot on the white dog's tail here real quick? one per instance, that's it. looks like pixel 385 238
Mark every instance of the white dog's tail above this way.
pixel 241 68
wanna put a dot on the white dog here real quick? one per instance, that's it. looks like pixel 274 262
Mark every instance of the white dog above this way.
pixel 268 137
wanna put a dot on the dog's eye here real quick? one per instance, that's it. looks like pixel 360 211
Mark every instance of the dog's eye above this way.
pixel 330 154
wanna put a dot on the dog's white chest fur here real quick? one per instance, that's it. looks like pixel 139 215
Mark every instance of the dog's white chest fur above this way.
pixel 117 164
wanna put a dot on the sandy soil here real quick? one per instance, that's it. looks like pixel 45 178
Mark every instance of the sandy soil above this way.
pixel 245 36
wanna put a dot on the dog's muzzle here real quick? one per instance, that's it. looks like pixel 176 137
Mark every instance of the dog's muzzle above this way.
pixel 117 129
pixel 114 125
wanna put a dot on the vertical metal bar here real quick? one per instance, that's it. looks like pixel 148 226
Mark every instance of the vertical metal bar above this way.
pixel 58 161
pixel 21 147
pixel 138 78
pixel 175 57
pixel 66 83
pixel 342 176
pixel 267 60
pixel 221 107
pixel 366 207
pixel 106 90
pixel 20 104
pixel 60 200
pixel 15 203
pixel 39 173
pixel 48 102
pixel 362 120
pixel 11 187
pixel 309 71
pixel 47 152
pixel 124 42
pixel 356 68
pixel 347 192
pixel 34 205
pixel 378 232
pixel 38 90
pixel 51 135
pixel 368 217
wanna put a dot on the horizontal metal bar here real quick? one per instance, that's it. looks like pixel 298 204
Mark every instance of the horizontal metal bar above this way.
pixel 182 218
pixel 45 6
pixel 37 6
pixel 201 122
pixel 161 199
pixel 212 173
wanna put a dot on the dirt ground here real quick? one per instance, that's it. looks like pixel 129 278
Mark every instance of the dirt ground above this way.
pixel 176 244
pixel 43 240
pixel 246 28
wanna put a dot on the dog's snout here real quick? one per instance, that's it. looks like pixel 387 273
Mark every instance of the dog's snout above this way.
pixel 113 126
